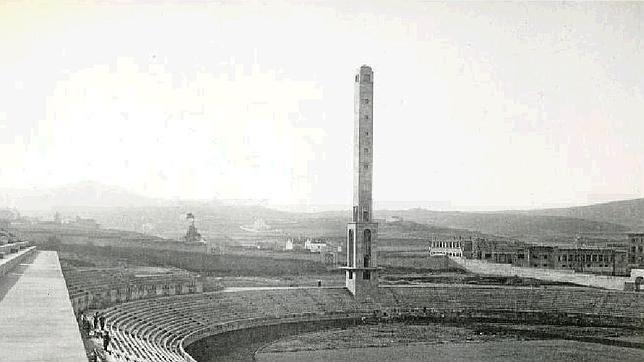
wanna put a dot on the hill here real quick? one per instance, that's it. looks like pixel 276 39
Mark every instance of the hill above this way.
pixel 114 207
pixel 508 224
pixel 81 194
pixel 626 212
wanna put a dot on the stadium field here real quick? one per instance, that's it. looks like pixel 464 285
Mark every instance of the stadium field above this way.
pixel 491 351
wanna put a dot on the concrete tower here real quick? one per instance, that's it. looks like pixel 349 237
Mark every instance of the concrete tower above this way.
pixel 361 270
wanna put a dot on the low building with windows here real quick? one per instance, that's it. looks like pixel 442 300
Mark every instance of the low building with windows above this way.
pixel 587 259
pixel 593 260
pixel 315 246
pixel 457 247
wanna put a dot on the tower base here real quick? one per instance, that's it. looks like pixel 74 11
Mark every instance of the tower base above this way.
pixel 361 280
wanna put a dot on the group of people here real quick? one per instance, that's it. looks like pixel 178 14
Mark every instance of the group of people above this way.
pixel 95 326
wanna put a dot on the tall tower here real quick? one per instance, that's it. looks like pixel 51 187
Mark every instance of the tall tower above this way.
pixel 361 270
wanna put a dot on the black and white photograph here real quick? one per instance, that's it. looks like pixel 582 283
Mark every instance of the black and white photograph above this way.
pixel 321 180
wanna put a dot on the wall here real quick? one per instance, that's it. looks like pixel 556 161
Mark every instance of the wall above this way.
pixel 10 261
pixel 244 341
pixel 591 280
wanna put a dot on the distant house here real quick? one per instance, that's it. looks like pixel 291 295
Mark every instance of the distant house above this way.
pixel 314 246
pixel 293 243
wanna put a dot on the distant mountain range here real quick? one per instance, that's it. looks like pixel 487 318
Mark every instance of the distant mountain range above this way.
pixel 94 199
pixel 81 194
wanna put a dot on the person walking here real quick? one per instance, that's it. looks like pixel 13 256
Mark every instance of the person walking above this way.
pixel 96 326
pixel 106 340
pixel 86 326
pixel 101 321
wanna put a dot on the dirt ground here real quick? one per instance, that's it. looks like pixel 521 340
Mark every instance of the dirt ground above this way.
pixel 491 351
pixel 396 334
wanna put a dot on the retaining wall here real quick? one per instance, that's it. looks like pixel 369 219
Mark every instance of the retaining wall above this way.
pixel 555 275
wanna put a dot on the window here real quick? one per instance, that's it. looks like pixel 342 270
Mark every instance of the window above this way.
pixel 366 275
pixel 365 215
pixel 350 274
pixel 601 258
pixel 367 248
pixel 365 101
pixel 367 77
pixel 520 256
pixel 366 117
pixel 366 150
pixel 357 78
pixel 350 250
pixel 564 258
pixel 366 166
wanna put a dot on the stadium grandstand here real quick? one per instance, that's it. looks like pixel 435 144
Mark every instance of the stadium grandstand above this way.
pixel 101 287
pixel 163 329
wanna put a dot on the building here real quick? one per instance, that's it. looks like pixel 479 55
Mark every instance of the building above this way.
pixel 361 272
pixel 636 249
pixel 589 259
pixel 586 259
pixel 456 247
pixel 496 251
pixel 192 235
pixel 314 246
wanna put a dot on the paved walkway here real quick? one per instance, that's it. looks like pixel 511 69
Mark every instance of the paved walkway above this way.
pixel 37 321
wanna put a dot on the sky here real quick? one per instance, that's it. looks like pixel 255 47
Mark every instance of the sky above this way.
pixel 477 106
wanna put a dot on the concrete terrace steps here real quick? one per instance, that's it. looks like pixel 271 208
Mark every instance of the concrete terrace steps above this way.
pixel 169 320
pixel 155 329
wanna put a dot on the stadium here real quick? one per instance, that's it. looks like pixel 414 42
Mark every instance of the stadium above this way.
pixel 170 314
